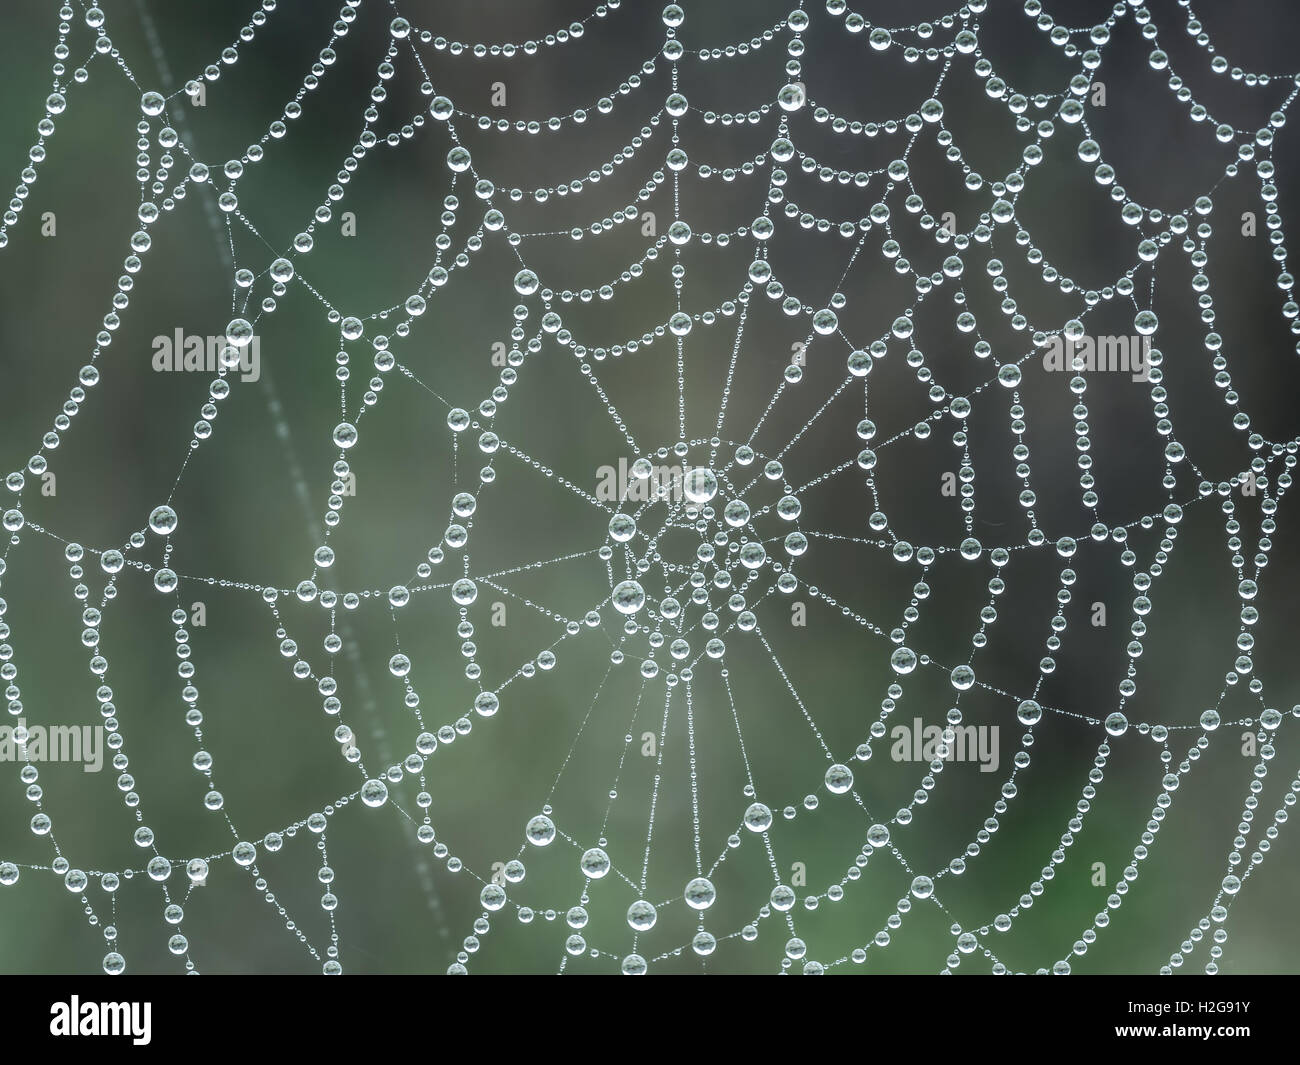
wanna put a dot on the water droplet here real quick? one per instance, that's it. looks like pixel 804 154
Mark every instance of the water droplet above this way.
pixel 628 597
pixel 839 779
pixel 540 831
pixel 903 660
pixel 594 863
pixel 239 333
pixel 699 894
pixel 700 484
pixel 163 520
pixel 641 916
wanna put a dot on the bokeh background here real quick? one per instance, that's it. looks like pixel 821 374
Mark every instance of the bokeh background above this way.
pixel 251 499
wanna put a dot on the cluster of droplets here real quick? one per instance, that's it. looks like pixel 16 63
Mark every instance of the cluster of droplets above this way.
pixel 730 557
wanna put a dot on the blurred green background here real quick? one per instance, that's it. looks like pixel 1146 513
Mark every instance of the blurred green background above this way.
pixel 251 499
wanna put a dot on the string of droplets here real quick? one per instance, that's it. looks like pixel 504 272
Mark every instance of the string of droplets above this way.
pixel 595 861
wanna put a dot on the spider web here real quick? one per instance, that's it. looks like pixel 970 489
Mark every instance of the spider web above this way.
pixel 551 595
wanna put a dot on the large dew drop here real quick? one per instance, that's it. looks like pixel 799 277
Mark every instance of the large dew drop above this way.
pixel 345 434
pixel 595 863
pixel 700 894
pixel 163 520
pixel 628 597
pixel 700 484
pixel 239 333
pixel 540 831
pixel 839 778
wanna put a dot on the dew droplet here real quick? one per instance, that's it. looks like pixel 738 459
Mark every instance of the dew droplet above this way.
pixel 239 333
pixel 540 831
pixel 628 597
pixel 700 484
pixel 700 894
pixel 162 520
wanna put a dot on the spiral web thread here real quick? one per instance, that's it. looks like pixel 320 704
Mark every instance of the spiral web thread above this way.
pixel 762 566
